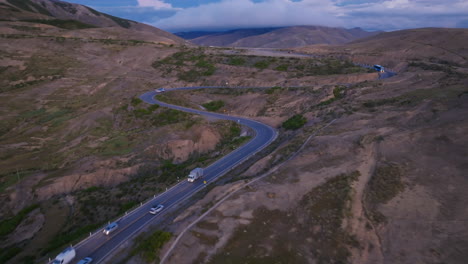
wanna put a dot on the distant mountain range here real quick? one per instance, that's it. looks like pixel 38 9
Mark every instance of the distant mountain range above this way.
pixel 279 37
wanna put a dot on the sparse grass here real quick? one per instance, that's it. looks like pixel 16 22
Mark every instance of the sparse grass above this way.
pixel 117 146
pixel 148 248
pixel 6 180
pixel 207 225
pixel 317 220
pixel 327 206
pixel 65 24
pixel 214 105
pixel 205 239
pixel 385 184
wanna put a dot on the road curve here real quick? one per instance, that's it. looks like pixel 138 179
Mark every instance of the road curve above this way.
pixel 99 246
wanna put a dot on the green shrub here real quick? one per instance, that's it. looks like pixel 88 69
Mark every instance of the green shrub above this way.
pixel 282 67
pixel 338 92
pixel 262 64
pixel 169 116
pixel 236 61
pixel 214 105
pixel 295 122
pixel 273 89
pixel 136 101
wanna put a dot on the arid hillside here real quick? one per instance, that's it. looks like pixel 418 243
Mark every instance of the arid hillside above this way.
pixel 382 179
pixel 78 148
pixel 397 49
pixel 286 37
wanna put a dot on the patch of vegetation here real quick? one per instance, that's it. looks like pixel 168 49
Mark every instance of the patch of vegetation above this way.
pixel 282 67
pixel 385 184
pixel 446 67
pixel 248 243
pixel 139 113
pixel 9 225
pixel 205 239
pixel 8 253
pixel 338 93
pixel 263 64
pixel 295 122
pixel 326 206
pixel 214 105
pixel 272 90
pixel 41 68
pixel 148 248
pixel 66 6
pixel 318 220
pixel 8 179
pixel 169 116
pixel 136 101
pixel 116 146
pixel 65 24
pixel 125 23
pixel 30 6
pixel 96 13
pixel 236 61
pixel 190 64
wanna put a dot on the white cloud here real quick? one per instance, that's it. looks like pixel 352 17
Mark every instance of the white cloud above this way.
pixel 156 4
pixel 371 14
pixel 245 13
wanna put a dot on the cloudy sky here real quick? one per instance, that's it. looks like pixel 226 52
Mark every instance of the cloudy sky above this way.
pixel 191 15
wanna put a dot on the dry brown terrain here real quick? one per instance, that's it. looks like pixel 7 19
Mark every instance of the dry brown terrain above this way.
pixel 77 144
pixel 385 183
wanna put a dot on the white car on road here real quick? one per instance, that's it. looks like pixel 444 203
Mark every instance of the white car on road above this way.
pixel 156 209
pixel 110 228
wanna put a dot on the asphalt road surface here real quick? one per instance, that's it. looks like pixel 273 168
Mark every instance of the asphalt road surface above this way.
pixel 99 246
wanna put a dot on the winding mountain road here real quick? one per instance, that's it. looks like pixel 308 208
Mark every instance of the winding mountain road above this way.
pixel 99 246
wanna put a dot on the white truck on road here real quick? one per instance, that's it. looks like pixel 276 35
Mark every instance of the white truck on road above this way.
pixel 65 256
pixel 195 174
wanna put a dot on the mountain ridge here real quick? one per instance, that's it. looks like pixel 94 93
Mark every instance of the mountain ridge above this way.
pixel 38 10
pixel 277 37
